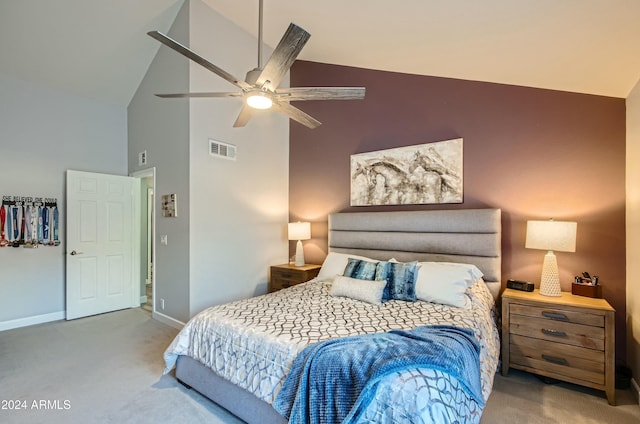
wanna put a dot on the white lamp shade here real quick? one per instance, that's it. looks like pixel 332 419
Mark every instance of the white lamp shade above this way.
pixel 551 235
pixel 299 231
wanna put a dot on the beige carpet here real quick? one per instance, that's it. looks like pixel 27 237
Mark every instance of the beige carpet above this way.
pixel 524 398
pixel 108 369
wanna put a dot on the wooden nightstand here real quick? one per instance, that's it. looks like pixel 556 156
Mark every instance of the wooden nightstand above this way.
pixel 287 275
pixel 569 338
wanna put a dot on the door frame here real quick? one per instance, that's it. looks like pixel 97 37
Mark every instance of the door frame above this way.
pixel 143 173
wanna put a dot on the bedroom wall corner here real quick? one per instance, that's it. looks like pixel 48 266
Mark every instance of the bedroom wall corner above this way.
pixel 239 208
pixel 161 128
pixel 633 234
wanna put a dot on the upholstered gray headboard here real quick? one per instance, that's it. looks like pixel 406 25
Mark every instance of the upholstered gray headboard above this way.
pixel 462 235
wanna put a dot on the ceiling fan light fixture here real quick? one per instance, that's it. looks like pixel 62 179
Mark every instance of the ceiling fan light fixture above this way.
pixel 259 100
pixel 260 88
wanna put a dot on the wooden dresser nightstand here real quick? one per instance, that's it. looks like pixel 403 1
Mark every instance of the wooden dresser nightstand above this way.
pixel 287 275
pixel 569 338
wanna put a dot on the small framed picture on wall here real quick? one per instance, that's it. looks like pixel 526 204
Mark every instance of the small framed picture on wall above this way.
pixel 169 205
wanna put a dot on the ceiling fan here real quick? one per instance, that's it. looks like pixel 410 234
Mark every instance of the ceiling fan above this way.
pixel 260 87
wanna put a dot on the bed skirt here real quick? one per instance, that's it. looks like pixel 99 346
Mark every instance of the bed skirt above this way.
pixel 234 399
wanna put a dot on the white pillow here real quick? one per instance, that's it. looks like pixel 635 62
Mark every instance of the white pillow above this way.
pixel 369 291
pixel 472 269
pixel 445 283
pixel 335 263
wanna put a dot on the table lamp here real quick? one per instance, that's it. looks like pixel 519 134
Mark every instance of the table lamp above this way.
pixel 551 235
pixel 299 231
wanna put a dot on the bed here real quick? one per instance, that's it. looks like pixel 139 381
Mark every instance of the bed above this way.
pixel 239 354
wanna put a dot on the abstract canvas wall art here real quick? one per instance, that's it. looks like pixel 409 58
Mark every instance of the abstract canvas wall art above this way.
pixel 424 174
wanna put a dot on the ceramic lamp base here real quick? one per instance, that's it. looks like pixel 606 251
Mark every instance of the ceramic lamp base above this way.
pixel 550 280
pixel 299 254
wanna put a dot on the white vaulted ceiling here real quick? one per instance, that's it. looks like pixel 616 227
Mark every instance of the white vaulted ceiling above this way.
pixel 99 48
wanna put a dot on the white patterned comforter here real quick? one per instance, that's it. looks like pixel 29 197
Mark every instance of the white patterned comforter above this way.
pixel 253 343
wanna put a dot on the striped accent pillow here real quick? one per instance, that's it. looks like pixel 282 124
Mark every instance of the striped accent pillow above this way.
pixel 401 280
pixel 360 269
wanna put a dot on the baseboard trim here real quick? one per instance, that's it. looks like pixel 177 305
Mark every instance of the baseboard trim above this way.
pixel 27 321
pixel 165 319
pixel 635 390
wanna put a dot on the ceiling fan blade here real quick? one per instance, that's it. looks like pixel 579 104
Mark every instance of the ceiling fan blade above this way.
pixel 171 43
pixel 245 114
pixel 296 114
pixel 320 93
pixel 205 95
pixel 283 56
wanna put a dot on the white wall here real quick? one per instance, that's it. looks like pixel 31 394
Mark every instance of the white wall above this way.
pixel 231 214
pixel 161 127
pixel 239 209
pixel 633 231
pixel 43 133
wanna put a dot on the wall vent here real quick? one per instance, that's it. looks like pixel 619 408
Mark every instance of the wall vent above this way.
pixel 142 158
pixel 222 150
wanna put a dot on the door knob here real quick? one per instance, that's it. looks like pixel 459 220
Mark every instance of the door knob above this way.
pixel 73 253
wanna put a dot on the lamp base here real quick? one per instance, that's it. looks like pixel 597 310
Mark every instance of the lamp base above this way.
pixel 550 280
pixel 299 254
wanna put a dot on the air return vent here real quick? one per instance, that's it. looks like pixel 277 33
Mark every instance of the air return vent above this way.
pixel 222 150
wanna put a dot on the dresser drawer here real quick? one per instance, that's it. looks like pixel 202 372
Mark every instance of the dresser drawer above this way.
pixel 279 283
pixel 556 314
pixel 564 360
pixel 286 275
pixel 283 276
pixel 558 331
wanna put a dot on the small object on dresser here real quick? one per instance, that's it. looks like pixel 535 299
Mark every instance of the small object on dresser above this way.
pixel 587 286
pixel 520 285
pixel 588 290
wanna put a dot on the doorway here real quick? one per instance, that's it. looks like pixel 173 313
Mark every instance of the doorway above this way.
pixel 147 238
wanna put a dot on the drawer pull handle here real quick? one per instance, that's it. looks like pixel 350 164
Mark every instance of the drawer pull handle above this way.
pixel 555 360
pixel 555 315
pixel 554 333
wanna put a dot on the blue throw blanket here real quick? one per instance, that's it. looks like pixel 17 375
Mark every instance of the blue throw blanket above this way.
pixel 335 381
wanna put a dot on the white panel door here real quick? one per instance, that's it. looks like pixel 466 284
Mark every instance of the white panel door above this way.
pixel 101 243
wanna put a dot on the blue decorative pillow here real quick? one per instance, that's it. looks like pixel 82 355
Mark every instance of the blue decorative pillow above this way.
pixel 401 280
pixel 360 269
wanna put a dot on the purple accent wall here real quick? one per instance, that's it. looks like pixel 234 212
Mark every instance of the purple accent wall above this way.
pixel 534 153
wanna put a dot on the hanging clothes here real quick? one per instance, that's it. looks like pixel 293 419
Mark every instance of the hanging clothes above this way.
pixel 40 225
pixel 3 226
pixel 56 219
pixel 16 223
pixel 29 222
